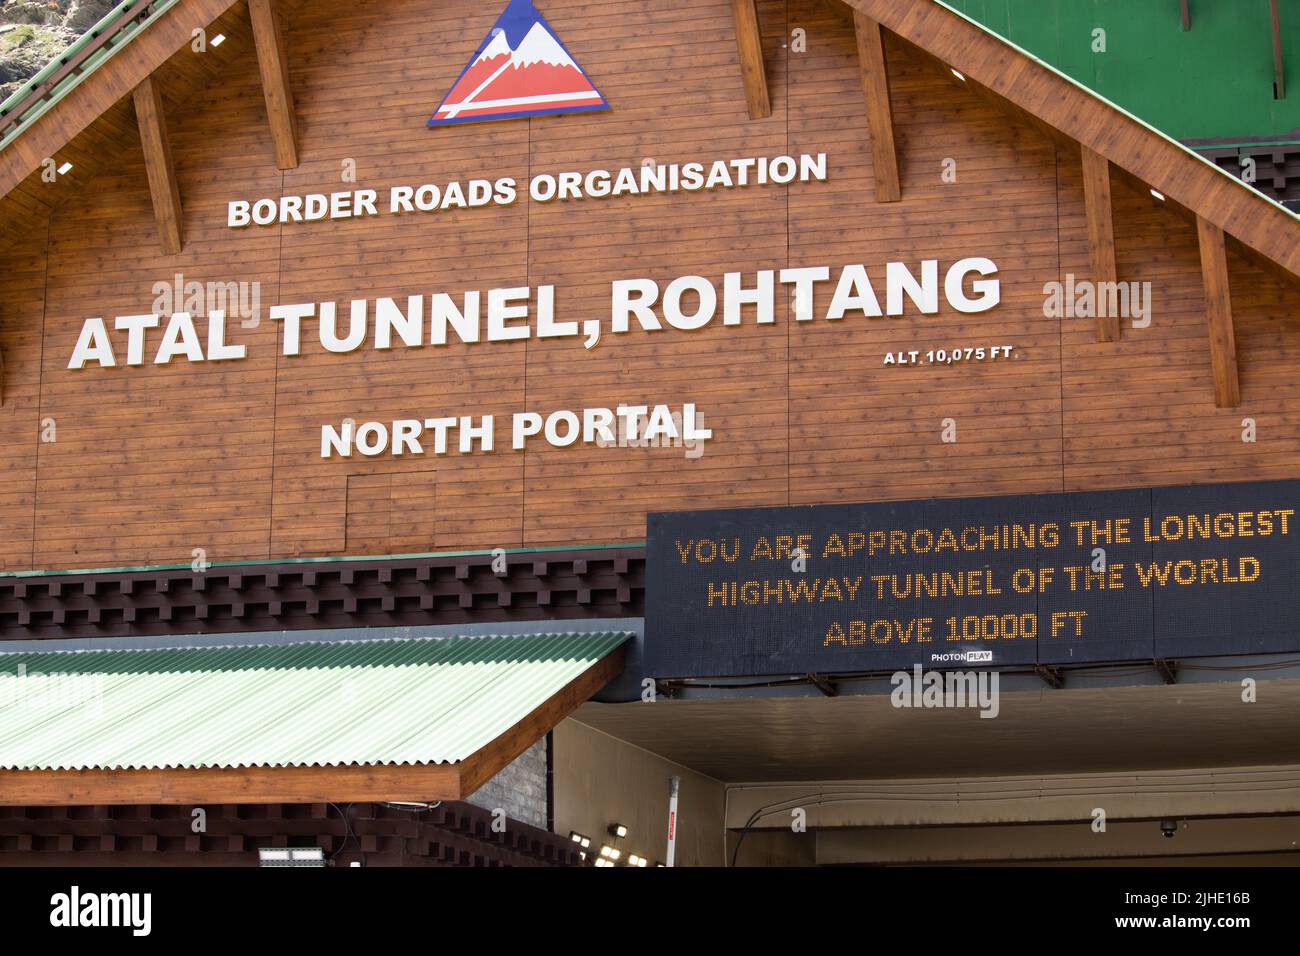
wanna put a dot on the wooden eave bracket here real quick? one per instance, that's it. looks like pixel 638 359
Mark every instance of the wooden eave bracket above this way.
pixel 158 164
pixel 1101 234
pixel 880 113
pixel 1218 314
pixel 753 73
pixel 273 65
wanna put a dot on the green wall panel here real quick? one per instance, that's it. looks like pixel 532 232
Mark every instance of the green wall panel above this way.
pixel 1214 81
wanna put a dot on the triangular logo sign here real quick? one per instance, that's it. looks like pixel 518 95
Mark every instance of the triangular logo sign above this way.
pixel 520 69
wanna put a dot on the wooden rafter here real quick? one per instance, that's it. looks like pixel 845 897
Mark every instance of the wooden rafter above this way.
pixel 880 114
pixel 1101 234
pixel 749 42
pixel 158 164
pixel 273 65
pixel 1218 314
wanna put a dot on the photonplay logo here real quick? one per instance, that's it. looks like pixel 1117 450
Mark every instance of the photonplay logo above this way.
pixel 966 657
pixel 520 69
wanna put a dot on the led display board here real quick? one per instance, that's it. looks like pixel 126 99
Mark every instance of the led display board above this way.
pixel 1052 579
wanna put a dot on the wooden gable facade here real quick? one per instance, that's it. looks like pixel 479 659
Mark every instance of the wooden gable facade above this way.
pixel 942 142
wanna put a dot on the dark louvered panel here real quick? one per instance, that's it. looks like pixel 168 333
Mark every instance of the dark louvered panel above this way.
pixel 374 592
pixel 1276 169
pixel 450 834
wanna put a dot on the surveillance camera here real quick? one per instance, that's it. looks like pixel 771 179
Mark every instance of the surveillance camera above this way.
pixel 1168 828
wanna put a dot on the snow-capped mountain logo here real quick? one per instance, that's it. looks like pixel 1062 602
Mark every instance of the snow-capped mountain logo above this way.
pixel 520 69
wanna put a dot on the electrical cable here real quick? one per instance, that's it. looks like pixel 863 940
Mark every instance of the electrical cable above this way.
pixel 348 833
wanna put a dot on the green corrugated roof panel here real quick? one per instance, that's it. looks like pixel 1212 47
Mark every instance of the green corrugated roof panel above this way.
pixel 398 701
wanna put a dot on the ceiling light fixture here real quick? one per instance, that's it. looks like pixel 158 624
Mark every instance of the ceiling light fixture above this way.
pixel 291 856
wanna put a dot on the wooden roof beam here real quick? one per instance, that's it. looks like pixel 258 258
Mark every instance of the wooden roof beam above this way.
pixel 1101 234
pixel 347 783
pixel 880 114
pixel 273 65
pixel 158 164
pixel 749 42
pixel 1218 314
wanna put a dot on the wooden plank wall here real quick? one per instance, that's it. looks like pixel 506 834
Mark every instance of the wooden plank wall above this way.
pixel 1141 412
pixel 22 311
pixel 153 462
pixel 737 379
pixel 861 431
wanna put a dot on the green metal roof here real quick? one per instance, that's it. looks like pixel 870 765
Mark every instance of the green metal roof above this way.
pixel 1214 81
pixel 396 701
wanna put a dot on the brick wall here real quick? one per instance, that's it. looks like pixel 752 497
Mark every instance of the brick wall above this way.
pixel 519 789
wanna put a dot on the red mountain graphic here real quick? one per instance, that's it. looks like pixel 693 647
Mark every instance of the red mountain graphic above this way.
pixel 535 76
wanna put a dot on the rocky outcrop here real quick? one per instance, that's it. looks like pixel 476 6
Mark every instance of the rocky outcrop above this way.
pixel 34 32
